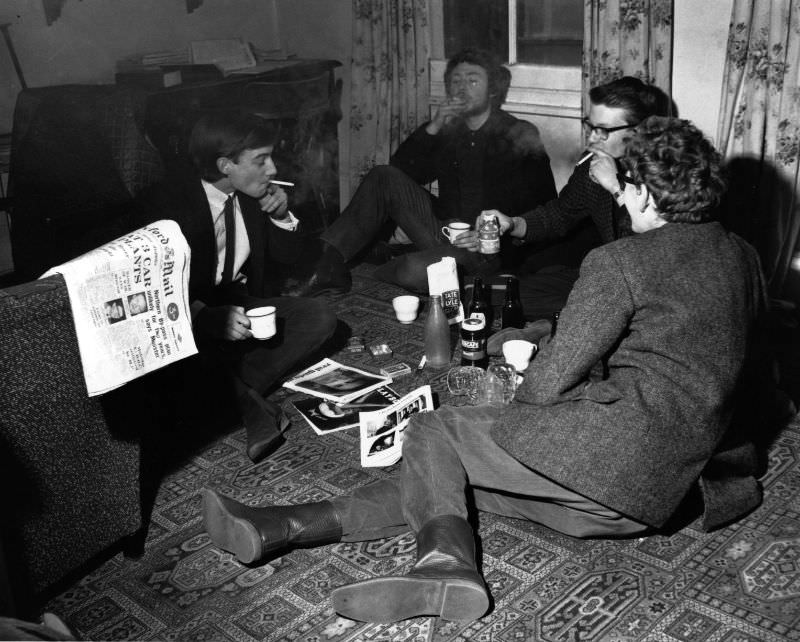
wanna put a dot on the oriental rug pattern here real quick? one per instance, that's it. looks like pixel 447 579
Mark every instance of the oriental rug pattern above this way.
pixel 738 584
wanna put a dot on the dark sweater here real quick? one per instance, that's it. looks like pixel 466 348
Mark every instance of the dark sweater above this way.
pixel 503 166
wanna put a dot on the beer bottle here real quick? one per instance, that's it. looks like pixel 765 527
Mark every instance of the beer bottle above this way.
pixel 479 305
pixel 437 335
pixel 511 314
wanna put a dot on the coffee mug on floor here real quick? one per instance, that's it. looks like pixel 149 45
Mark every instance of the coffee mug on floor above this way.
pixel 262 322
pixel 406 307
pixel 454 230
pixel 518 353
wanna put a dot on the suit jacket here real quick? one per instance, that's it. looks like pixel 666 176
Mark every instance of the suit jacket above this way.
pixel 669 314
pixel 580 199
pixel 183 199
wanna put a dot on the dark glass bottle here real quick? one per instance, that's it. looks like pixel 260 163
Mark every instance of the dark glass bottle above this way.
pixel 512 316
pixel 437 335
pixel 479 305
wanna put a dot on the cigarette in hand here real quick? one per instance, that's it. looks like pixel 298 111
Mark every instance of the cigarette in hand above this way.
pixel 585 158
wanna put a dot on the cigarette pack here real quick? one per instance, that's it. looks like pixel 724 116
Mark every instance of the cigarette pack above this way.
pixel 397 369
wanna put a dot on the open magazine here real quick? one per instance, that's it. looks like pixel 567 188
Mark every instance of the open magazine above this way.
pixel 130 305
pixel 382 430
pixel 328 416
pixel 336 382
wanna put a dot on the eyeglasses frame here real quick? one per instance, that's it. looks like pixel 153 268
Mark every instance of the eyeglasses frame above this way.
pixel 602 132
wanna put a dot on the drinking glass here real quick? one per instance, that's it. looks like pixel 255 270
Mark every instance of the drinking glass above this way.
pixel 463 380
pixel 508 375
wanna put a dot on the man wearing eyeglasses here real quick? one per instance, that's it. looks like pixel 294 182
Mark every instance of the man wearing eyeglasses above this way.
pixel 593 192
pixel 482 158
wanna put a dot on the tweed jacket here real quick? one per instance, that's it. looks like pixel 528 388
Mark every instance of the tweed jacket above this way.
pixel 580 198
pixel 183 199
pixel 668 313
pixel 511 165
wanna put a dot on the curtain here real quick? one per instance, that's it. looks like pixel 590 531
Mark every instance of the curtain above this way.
pixel 627 38
pixel 759 130
pixel 389 80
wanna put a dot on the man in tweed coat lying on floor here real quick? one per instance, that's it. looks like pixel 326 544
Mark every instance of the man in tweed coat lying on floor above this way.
pixel 620 417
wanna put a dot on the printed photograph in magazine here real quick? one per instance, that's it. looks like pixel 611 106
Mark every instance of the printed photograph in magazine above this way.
pixel 328 416
pixel 336 382
pixel 382 430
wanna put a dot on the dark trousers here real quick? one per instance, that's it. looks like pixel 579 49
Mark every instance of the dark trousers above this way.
pixel 388 194
pixel 303 326
pixel 450 451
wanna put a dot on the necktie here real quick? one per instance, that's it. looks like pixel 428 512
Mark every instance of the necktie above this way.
pixel 230 241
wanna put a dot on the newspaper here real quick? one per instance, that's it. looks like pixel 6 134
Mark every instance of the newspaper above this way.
pixel 130 305
pixel 382 430
pixel 336 382
pixel 327 416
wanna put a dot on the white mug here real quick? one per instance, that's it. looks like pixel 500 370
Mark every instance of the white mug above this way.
pixel 405 307
pixel 518 353
pixel 454 230
pixel 262 322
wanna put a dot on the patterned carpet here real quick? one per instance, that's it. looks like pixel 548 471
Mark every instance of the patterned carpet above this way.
pixel 739 584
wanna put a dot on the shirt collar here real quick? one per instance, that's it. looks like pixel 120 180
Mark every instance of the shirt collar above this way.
pixel 216 198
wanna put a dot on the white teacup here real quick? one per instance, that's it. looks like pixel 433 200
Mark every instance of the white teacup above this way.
pixel 454 230
pixel 518 353
pixel 262 322
pixel 406 307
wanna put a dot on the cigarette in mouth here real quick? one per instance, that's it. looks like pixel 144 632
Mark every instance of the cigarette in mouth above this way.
pixel 284 183
pixel 580 162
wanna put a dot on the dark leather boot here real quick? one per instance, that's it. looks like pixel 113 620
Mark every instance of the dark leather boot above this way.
pixel 253 534
pixel 330 275
pixel 443 582
pixel 263 420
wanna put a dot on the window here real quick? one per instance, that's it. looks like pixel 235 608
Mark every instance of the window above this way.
pixel 546 32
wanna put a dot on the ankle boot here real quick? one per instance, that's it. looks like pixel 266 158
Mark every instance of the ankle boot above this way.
pixel 444 581
pixel 255 533
pixel 330 275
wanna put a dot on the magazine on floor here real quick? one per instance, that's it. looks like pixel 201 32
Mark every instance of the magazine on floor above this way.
pixel 328 416
pixel 382 430
pixel 336 382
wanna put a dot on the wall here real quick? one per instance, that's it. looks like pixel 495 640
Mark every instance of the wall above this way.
pixel 83 45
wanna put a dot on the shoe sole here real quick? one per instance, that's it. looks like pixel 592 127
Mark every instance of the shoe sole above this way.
pixel 228 532
pixel 391 599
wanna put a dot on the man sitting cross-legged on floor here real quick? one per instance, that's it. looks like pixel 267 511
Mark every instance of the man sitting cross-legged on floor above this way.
pixel 236 223
pixel 482 157
pixel 619 417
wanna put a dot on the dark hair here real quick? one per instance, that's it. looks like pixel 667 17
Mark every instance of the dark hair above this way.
pixel 638 99
pixel 499 75
pixel 680 168
pixel 228 134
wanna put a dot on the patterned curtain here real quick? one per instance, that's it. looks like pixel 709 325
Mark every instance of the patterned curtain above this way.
pixel 390 95
pixel 759 129
pixel 627 38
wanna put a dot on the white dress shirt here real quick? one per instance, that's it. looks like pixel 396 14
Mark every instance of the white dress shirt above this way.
pixel 216 201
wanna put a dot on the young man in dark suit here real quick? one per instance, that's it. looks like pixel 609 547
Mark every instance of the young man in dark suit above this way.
pixel 238 225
